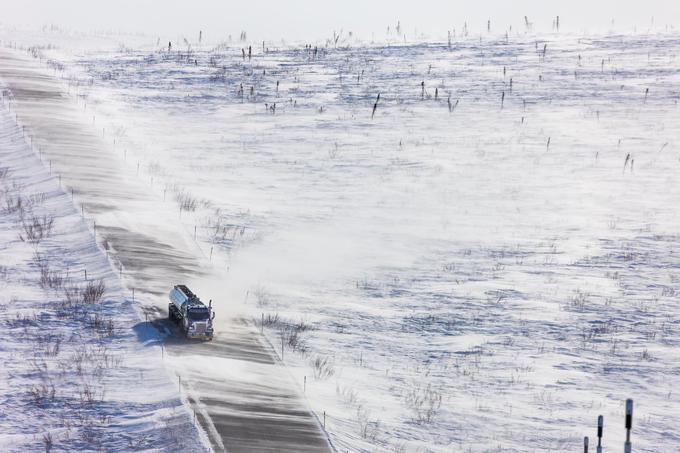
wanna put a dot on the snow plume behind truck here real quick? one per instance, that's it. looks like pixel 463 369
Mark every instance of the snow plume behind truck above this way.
pixel 187 310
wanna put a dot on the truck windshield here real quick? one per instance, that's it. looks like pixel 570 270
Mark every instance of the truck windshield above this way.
pixel 198 315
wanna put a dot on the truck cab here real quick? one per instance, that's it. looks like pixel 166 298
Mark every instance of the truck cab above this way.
pixel 193 316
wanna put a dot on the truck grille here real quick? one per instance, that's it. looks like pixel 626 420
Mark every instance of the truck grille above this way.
pixel 200 329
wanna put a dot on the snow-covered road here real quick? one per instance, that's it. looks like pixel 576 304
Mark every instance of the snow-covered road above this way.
pixel 243 397
pixel 75 374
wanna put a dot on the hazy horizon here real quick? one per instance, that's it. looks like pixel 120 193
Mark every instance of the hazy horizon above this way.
pixel 306 19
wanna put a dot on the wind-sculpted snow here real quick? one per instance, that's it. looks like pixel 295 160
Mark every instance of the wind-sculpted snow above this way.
pixel 73 375
pixel 483 258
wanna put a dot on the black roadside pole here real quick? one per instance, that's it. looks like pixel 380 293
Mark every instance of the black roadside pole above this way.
pixel 627 448
pixel 600 427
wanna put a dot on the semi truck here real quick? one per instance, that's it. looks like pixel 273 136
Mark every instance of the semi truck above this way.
pixel 192 315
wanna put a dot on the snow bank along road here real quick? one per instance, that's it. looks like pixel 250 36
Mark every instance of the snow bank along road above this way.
pixel 73 349
pixel 242 397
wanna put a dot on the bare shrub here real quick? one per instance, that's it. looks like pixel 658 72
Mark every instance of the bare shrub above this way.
pixel 668 291
pixel 301 326
pixel 291 333
pixel 50 343
pixel 579 301
pixel 37 228
pixel 77 296
pixel 42 394
pixel 40 261
pixel 93 292
pixel 37 198
pixel 87 393
pixel 73 297
pixel 110 361
pixel 48 278
pixel 14 203
pixel 90 436
pixel 292 338
pixel 51 279
pixel 367 428
pixel 424 402
pixel 53 349
pixel 78 361
pixel 270 320
pixel 101 324
pixel 56 65
pixel 187 202
pixel 323 367
pixel 48 442
pixel 95 321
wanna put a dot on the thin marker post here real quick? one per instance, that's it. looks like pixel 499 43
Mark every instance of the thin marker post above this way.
pixel 627 447
pixel 600 427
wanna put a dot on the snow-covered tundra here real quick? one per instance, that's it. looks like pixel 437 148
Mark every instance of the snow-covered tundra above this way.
pixel 468 244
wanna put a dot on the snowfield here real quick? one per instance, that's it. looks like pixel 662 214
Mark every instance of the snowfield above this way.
pixel 485 258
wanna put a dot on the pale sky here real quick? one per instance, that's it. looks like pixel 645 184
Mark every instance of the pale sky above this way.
pixel 314 19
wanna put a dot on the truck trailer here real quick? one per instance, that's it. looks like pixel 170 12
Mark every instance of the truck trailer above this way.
pixel 192 315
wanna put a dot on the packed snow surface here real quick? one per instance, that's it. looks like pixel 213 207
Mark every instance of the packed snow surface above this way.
pixel 482 258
